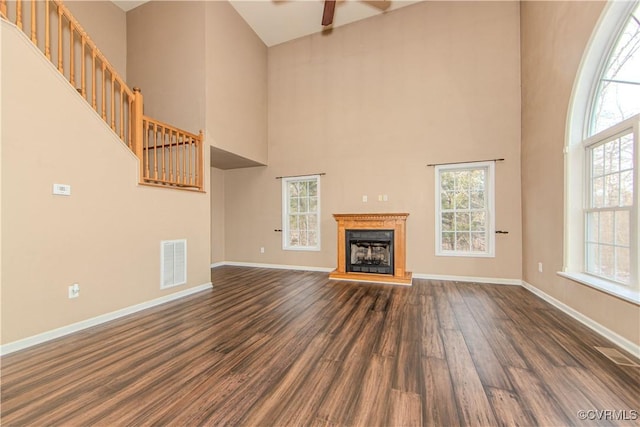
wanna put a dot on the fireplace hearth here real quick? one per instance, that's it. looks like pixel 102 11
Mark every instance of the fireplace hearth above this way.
pixel 372 248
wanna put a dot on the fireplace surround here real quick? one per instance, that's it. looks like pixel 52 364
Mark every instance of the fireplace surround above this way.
pixel 372 248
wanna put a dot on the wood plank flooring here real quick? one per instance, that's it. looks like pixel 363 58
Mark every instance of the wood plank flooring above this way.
pixel 290 348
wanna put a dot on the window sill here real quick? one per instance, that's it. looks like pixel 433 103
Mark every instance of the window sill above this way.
pixel 618 291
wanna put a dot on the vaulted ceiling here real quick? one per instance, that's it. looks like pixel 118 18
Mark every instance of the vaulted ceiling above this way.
pixel 277 21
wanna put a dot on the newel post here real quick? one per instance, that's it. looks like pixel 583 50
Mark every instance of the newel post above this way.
pixel 137 127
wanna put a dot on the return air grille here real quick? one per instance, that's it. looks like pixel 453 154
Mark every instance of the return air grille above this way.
pixel 173 259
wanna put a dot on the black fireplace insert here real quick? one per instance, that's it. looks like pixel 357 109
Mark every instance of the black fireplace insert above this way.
pixel 369 251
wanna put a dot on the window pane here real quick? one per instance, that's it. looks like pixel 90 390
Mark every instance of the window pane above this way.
pixel 447 181
pixel 611 156
pixel 626 188
pixel 462 242
pixel 477 199
pixel 593 258
pixel 312 237
pixel 447 221
pixel 446 200
pixel 607 261
pixel 597 161
pixel 448 241
pixel 303 205
pixel 622 228
pixel 477 178
pixel 597 193
pixel 478 221
pixel 462 200
pixel 293 205
pixel 313 204
pixel 463 221
pixel 606 227
pixel 626 152
pixel 293 189
pixel 478 242
pixel 592 226
pixel 611 190
pixel 623 272
pixel 313 188
pixel 303 239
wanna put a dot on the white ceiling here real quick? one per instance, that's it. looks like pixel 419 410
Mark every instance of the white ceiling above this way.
pixel 277 21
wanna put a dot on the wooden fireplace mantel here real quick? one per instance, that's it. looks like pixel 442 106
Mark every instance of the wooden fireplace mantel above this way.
pixel 374 221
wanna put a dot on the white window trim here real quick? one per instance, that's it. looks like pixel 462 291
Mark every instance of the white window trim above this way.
pixel 285 212
pixel 490 191
pixel 605 34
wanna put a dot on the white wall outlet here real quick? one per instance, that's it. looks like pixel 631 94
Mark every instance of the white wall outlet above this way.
pixel 385 198
pixel 365 198
pixel 540 267
pixel 74 291
pixel 379 197
pixel 62 189
pixel 261 249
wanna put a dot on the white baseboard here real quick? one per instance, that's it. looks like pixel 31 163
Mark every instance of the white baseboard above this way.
pixel 94 321
pixel 275 266
pixel 620 341
pixel 490 280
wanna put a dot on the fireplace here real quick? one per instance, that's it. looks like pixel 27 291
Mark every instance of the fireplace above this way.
pixel 369 251
pixel 372 248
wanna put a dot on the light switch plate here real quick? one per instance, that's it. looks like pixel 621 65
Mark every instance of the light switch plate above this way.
pixel 62 189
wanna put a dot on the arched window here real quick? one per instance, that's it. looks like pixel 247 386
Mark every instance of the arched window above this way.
pixel 601 215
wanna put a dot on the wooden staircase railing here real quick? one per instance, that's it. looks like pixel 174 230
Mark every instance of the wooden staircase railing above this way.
pixel 54 30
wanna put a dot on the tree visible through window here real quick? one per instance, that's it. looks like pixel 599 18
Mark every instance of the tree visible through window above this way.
pixel 301 213
pixel 465 209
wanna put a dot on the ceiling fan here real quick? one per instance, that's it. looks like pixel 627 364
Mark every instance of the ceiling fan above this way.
pixel 330 7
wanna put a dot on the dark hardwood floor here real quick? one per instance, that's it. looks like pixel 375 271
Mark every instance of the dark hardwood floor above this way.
pixel 287 348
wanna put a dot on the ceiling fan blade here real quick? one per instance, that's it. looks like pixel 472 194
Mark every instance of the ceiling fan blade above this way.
pixel 378 4
pixel 327 15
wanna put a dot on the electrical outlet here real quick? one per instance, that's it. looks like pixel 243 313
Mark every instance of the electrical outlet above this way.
pixel 261 249
pixel 365 198
pixel 62 189
pixel 385 198
pixel 379 197
pixel 540 267
pixel 74 291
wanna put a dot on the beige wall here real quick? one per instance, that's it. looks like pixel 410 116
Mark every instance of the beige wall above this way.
pixel 106 235
pixel 217 215
pixel 106 24
pixel 371 105
pixel 166 59
pixel 551 56
pixel 236 84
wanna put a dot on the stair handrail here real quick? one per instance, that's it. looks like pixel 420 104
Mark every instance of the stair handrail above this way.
pixel 130 131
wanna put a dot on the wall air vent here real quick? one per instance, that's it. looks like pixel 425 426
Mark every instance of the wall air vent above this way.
pixel 173 263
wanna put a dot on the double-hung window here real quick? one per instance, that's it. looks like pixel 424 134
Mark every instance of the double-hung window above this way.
pixel 601 206
pixel 301 213
pixel 610 208
pixel 465 210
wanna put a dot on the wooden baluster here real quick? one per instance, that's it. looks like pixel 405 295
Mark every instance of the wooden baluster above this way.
pixel 3 8
pixel 164 141
pixel 177 157
pixel 183 176
pixel 200 154
pixel 146 140
pixel 93 80
pixel 155 151
pixel 34 35
pixel 47 30
pixel 122 111
pixel 19 14
pixel 60 67
pixel 72 64
pixel 190 174
pixel 129 133
pixel 113 101
pixel 83 68
pixel 104 91
pixel 171 155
